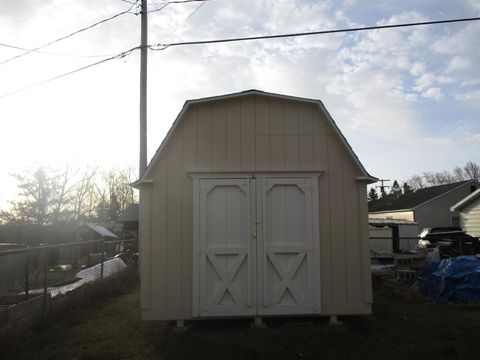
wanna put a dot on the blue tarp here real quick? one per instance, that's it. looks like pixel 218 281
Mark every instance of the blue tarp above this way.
pixel 454 280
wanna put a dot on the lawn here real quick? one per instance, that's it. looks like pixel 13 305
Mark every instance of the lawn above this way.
pixel 110 328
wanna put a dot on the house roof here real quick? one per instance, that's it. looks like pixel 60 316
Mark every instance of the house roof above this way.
pixel 466 200
pixel 146 178
pixel 130 214
pixel 414 199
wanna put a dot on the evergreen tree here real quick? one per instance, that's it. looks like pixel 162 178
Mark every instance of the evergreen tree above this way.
pixel 395 188
pixel 372 194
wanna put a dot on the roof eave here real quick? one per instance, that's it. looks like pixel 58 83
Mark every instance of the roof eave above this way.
pixel 367 179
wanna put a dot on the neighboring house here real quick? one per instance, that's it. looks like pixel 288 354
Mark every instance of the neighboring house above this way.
pixel 129 222
pixel 253 205
pixel 429 207
pixel 469 213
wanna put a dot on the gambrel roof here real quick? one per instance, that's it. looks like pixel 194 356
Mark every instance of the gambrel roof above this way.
pixel 146 178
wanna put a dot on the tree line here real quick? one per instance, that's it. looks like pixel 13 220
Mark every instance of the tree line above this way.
pixel 470 171
pixel 49 197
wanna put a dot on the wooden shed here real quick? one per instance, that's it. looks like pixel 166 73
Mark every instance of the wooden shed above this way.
pixel 254 205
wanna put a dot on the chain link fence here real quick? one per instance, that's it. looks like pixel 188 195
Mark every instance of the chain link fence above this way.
pixel 384 246
pixel 38 277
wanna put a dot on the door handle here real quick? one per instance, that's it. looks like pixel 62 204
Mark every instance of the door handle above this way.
pixel 254 235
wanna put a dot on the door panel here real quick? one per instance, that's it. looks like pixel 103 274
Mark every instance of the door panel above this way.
pixel 286 256
pixel 226 256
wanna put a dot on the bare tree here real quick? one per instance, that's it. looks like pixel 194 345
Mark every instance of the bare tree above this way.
pixel 459 174
pixel 35 204
pixel 472 171
pixel 49 197
pixel 85 195
pixel 117 193
pixel 416 182
pixel 438 178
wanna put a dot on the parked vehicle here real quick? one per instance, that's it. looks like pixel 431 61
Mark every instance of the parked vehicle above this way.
pixel 451 241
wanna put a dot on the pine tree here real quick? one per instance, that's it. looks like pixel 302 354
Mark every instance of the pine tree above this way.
pixel 372 194
pixel 395 188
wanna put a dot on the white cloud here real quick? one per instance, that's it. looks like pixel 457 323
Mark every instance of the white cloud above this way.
pixel 471 82
pixel 433 93
pixel 458 63
pixel 418 68
pixel 460 42
pixel 469 96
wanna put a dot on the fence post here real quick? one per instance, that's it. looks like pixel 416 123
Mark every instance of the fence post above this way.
pixel 45 283
pixel 27 295
pixel 102 249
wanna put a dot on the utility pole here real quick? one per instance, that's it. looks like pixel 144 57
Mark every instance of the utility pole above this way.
pixel 143 88
pixel 382 187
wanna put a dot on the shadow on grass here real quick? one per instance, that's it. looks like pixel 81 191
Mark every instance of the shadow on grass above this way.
pixel 110 328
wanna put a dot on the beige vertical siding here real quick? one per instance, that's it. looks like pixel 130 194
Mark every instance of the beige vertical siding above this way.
pixel 253 133
pixel 470 218
pixel 437 212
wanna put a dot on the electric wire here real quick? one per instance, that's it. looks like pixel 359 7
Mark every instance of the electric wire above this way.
pixel 115 57
pixel 53 53
pixel 68 36
pixel 160 46
pixel 166 3
pixel 3 25
pixel 194 11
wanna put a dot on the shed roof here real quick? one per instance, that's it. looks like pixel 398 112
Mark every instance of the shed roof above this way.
pixel 101 230
pixel 391 222
pixel 466 200
pixel 414 199
pixel 146 175
pixel 130 214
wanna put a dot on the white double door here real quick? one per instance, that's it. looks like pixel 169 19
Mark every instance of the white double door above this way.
pixel 255 245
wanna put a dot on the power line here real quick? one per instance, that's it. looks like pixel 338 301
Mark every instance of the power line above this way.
pixel 36 15
pixel 166 3
pixel 194 11
pixel 158 9
pixel 52 53
pixel 67 36
pixel 160 46
pixel 117 56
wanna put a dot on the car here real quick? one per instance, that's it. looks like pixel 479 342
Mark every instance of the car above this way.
pixel 451 241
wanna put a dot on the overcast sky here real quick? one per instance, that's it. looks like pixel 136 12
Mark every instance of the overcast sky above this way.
pixel 407 100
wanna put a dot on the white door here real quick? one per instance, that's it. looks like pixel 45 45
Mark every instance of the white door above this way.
pixel 255 246
pixel 224 255
pixel 287 241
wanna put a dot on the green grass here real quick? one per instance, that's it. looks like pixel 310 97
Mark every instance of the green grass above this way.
pixel 111 329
